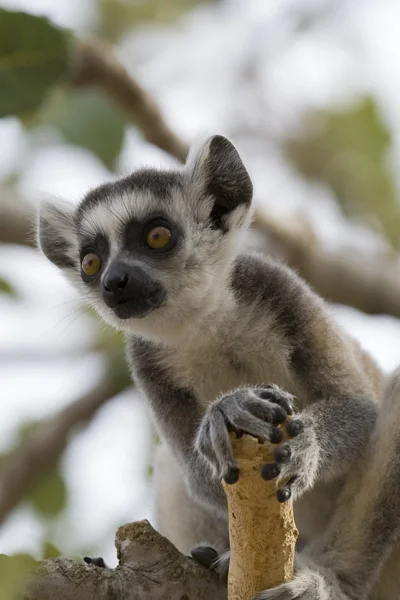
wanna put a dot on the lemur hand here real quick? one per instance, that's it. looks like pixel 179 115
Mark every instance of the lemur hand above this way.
pixel 296 461
pixel 257 412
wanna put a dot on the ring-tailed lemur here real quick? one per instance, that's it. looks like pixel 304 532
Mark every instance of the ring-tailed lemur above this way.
pixel 208 329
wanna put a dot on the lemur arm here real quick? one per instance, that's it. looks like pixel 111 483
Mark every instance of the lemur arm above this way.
pixel 338 382
pixel 359 552
pixel 177 413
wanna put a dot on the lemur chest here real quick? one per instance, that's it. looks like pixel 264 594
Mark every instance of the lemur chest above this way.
pixel 220 365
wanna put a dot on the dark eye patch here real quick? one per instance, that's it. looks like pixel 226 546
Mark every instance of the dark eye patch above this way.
pixel 135 234
pixel 98 245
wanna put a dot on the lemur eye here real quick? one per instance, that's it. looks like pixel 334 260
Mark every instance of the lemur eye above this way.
pixel 91 264
pixel 158 237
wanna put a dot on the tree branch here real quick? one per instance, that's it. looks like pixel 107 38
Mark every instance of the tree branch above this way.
pixel 95 64
pixel 150 568
pixel 370 285
pixel 16 219
pixel 41 451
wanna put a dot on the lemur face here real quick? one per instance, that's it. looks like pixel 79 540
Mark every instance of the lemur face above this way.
pixel 149 250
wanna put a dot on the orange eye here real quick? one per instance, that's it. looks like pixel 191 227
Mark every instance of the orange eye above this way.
pixel 158 238
pixel 91 264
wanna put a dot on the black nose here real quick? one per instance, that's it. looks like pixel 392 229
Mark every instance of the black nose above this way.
pixel 115 283
pixel 130 291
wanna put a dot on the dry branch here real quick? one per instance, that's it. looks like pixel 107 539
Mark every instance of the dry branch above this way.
pixel 40 452
pixel 150 568
pixel 369 283
pixel 262 532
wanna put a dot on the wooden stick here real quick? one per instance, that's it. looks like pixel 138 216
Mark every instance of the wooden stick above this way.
pixel 262 531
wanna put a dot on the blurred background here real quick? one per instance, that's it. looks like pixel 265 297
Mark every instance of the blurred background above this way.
pixel 307 90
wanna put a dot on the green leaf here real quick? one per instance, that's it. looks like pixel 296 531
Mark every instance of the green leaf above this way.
pixel 14 574
pixel 117 17
pixel 6 288
pixel 49 551
pixel 33 57
pixel 86 118
pixel 49 496
pixel 348 151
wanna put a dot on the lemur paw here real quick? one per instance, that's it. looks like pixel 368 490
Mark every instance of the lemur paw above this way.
pixel 296 461
pixel 209 558
pixel 256 411
pixel 307 585
pixel 97 561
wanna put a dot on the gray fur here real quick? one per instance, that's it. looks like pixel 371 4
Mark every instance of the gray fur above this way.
pixel 230 326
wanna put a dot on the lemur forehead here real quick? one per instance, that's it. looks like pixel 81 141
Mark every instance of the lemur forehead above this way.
pixel 111 206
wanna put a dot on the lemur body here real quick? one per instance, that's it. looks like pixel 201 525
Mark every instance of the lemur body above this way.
pixel 208 330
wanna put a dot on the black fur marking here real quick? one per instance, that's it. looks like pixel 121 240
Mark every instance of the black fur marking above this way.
pixel 158 183
pixel 99 244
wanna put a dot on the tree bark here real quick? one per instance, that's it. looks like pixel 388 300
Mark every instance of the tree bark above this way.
pixel 262 531
pixel 150 568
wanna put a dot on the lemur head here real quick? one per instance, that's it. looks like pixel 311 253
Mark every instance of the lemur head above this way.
pixel 151 252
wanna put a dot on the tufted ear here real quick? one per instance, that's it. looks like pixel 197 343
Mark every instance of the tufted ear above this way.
pixel 56 234
pixel 217 170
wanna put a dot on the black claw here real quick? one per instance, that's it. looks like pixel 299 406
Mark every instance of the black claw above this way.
pixel 205 555
pixel 283 402
pixel 269 471
pixel 294 428
pixel 283 494
pixel 232 475
pixel 98 561
pixel 276 436
pixel 282 454
pixel 279 416
pixel 289 407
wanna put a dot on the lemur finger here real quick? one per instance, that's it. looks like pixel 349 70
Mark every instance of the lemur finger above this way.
pixel 222 448
pixel 277 396
pixel 283 494
pixel 205 448
pixel 266 411
pixel 205 555
pixel 294 428
pixel 257 428
pixel 269 471
pixel 283 454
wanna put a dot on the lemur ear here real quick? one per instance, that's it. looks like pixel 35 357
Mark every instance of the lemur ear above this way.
pixel 220 173
pixel 56 234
